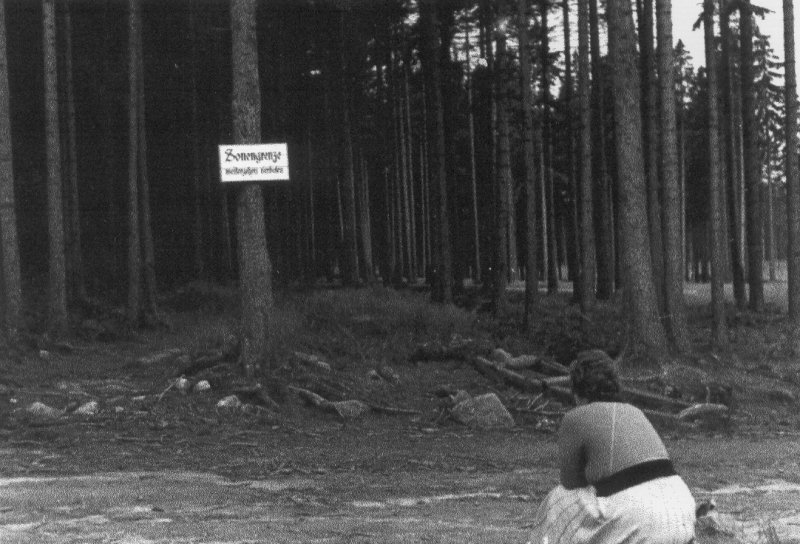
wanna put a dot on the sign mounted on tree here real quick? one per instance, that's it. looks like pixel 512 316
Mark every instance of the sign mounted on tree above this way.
pixel 253 162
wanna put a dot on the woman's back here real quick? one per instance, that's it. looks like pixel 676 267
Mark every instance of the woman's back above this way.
pixel 599 439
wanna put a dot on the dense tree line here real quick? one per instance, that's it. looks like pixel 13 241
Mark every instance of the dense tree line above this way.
pixel 491 140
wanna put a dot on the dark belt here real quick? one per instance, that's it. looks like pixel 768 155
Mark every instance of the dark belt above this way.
pixel 635 475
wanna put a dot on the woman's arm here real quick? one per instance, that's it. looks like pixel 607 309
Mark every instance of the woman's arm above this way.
pixel 572 454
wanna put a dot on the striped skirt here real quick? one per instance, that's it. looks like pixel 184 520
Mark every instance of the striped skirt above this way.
pixel 660 511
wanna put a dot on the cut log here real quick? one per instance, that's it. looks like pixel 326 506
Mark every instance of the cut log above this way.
pixel 703 410
pixel 645 399
pixel 456 350
pixel 559 381
pixel 496 371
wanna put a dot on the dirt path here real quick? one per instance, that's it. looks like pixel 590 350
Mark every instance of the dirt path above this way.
pixel 400 505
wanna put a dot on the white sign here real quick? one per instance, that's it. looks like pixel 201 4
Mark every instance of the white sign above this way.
pixel 253 162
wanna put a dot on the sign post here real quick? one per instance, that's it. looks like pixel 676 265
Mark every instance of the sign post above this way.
pixel 253 162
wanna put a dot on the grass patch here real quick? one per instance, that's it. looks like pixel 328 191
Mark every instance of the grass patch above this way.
pixel 357 325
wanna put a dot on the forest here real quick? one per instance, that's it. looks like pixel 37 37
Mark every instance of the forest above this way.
pixel 456 144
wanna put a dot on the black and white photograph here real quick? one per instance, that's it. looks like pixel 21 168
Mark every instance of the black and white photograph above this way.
pixel 399 271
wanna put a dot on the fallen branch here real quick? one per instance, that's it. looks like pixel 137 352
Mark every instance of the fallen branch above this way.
pixel 162 357
pixel 392 410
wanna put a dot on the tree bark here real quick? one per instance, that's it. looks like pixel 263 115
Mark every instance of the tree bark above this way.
pixel 57 295
pixel 77 284
pixel 529 166
pixel 552 263
pixel 672 203
pixel 571 234
pixel 719 334
pixel 730 158
pixel 11 288
pixel 472 170
pixel 255 283
pixel 503 181
pixel 350 242
pixel 755 251
pixel 651 129
pixel 441 255
pixel 134 241
pixel 606 266
pixel 792 179
pixel 197 195
pixel 635 257
pixel 586 276
pixel 150 290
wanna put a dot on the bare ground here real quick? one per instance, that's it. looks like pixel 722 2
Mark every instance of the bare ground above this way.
pixel 156 466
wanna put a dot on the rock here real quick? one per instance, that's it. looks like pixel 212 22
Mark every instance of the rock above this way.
pixel 717 524
pixel 373 376
pixel 202 386
pixel 484 412
pixel 387 373
pixel 182 384
pixel 88 409
pixel 230 402
pixel 350 409
pixel 39 409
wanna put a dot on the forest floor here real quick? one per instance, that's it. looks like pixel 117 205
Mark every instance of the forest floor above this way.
pixel 150 462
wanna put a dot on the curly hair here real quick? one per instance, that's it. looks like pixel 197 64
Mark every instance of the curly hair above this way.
pixel 594 377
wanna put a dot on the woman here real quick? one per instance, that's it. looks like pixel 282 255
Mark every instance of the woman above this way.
pixel 618 484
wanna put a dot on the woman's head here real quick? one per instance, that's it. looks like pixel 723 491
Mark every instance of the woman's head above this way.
pixel 594 377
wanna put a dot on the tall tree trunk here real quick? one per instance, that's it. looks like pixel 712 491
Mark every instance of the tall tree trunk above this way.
pixel 311 234
pixel 350 242
pixel 443 289
pixel 650 118
pixel 255 283
pixel 719 334
pixel 586 277
pixel 76 283
pixel 11 287
pixel 636 259
pixel 502 182
pixel 792 179
pixel 409 142
pixel 552 263
pixel 605 254
pixel 148 250
pixel 770 219
pixel 672 203
pixel 57 296
pixel 366 230
pixel 134 241
pixel 755 251
pixel 528 153
pixel 472 170
pixel 730 158
pixel 571 233
pixel 197 196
